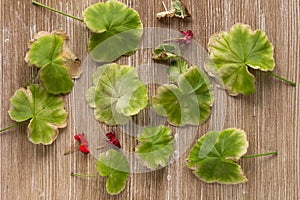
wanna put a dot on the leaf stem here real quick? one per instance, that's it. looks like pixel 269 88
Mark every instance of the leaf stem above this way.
pixel 261 154
pixel 283 79
pixel 73 149
pixel 57 11
pixel 30 80
pixel 85 175
pixel 9 127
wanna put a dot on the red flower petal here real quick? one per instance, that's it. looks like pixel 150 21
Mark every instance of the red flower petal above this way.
pixel 81 139
pixel 111 136
pixel 76 137
pixel 84 149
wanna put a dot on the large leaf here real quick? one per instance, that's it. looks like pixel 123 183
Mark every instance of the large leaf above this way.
pixel 44 110
pixel 118 30
pixel 47 53
pixel 115 166
pixel 213 158
pixel 232 52
pixel 188 103
pixel 156 146
pixel 117 94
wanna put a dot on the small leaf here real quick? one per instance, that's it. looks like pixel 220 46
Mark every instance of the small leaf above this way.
pixel 117 30
pixel 115 166
pixel 118 94
pixel 188 103
pixel 165 52
pixel 44 110
pixel 177 9
pixel 176 68
pixel 213 158
pixel 232 52
pixel 156 146
pixel 46 53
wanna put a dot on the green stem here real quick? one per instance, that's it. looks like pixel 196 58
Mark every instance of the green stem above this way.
pixel 30 80
pixel 9 127
pixel 283 79
pixel 261 154
pixel 85 175
pixel 57 11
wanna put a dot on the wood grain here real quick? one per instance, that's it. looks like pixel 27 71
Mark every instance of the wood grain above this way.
pixel 270 116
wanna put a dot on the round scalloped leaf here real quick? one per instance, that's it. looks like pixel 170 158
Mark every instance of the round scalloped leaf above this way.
pixel 213 158
pixel 232 52
pixel 118 30
pixel 188 103
pixel 118 94
pixel 44 110
pixel 115 166
pixel 156 146
pixel 45 53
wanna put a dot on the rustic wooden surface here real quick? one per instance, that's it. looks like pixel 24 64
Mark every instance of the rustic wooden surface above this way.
pixel 270 116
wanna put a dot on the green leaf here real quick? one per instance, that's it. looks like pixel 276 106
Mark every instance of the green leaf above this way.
pixel 45 53
pixel 188 103
pixel 118 30
pixel 165 52
pixel 213 158
pixel 115 166
pixel 44 110
pixel 181 10
pixel 117 94
pixel 176 68
pixel 232 52
pixel 177 9
pixel 156 146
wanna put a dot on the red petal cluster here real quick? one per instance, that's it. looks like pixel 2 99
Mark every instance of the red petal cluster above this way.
pixel 111 137
pixel 83 143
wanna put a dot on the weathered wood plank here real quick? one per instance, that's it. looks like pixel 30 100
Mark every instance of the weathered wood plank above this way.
pixel 270 116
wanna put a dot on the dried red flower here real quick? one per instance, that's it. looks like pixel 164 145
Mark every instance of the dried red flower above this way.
pixel 111 137
pixel 82 142
pixel 187 39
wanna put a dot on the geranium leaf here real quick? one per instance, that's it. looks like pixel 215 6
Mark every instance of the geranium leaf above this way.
pixel 213 158
pixel 177 9
pixel 176 68
pixel 156 146
pixel 44 110
pixel 117 30
pixel 232 52
pixel 115 166
pixel 188 103
pixel 118 94
pixel 46 53
pixel 165 52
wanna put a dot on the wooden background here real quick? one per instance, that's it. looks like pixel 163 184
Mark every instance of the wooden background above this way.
pixel 270 116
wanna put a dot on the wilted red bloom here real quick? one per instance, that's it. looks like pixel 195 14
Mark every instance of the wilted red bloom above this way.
pixel 82 142
pixel 188 35
pixel 111 136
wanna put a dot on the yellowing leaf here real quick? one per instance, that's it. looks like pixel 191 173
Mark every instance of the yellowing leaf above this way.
pixel 232 53
pixel 44 110
pixel 56 61
pixel 213 158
